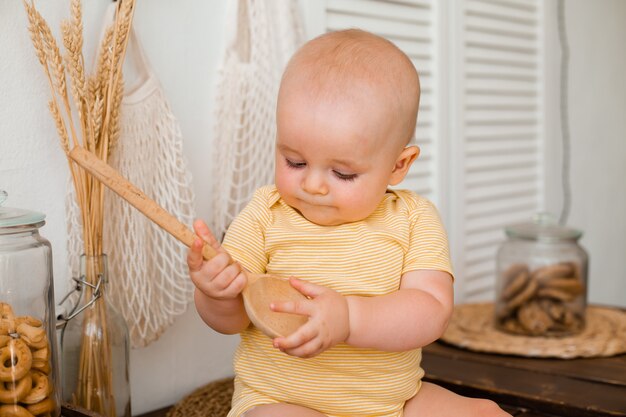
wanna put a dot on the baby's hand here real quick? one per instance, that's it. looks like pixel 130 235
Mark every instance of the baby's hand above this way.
pixel 328 320
pixel 219 277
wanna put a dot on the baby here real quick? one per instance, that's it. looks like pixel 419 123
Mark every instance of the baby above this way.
pixel 372 261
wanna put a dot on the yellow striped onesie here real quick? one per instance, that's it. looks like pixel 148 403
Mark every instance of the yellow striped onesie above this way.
pixel 365 258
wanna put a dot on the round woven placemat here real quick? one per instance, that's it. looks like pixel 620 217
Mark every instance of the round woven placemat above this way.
pixel 211 400
pixel 471 327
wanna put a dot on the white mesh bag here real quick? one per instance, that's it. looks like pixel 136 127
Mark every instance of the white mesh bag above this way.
pixel 148 280
pixel 266 34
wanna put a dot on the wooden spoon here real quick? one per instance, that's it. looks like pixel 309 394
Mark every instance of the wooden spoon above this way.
pixel 261 290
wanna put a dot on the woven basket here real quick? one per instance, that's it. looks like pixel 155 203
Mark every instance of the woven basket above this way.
pixel 211 400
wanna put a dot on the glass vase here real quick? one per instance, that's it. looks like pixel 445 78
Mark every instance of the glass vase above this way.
pixel 95 346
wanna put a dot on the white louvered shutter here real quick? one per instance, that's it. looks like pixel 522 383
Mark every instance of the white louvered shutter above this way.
pixel 410 25
pixel 498 136
pixel 480 125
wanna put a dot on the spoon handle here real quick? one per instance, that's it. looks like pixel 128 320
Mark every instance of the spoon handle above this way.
pixel 133 195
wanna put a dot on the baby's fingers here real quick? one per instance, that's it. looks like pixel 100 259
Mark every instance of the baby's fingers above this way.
pixel 302 307
pixel 297 339
pixel 194 256
pixel 205 233
pixel 307 345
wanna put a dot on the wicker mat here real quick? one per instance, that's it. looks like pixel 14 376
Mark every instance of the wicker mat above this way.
pixel 211 400
pixel 471 327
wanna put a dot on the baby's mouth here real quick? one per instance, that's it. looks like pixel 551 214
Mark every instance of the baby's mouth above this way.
pixel 314 203
pixel 316 206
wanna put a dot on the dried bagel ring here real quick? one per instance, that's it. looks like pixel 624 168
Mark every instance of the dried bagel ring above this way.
pixel 7 326
pixel 35 337
pixel 41 360
pixel 46 406
pixel 30 320
pixel 42 354
pixel 7 319
pixel 6 311
pixel 4 340
pixel 40 388
pixel 13 392
pixel 15 361
pixel 42 366
pixel 14 410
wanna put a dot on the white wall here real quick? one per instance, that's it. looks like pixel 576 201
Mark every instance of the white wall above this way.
pixel 597 118
pixel 183 40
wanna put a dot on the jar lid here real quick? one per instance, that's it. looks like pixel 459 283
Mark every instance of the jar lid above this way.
pixel 543 227
pixel 10 216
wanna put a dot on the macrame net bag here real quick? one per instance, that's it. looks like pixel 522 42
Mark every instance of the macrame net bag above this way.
pixel 148 280
pixel 265 36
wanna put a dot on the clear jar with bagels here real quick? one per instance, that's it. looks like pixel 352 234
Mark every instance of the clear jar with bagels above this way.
pixel 541 287
pixel 28 355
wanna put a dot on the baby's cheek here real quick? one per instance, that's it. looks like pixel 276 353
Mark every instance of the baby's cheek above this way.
pixel 285 181
pixel 362 202
pixel 353 204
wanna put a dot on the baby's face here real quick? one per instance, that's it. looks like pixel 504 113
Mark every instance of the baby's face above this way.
pixel 334 157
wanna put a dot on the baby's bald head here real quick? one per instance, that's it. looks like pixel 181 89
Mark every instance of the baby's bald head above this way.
pixel 358 66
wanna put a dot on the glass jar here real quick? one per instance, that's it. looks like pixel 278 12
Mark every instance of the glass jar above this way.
pixel 95 346
pixel 541 287
pixel 28 354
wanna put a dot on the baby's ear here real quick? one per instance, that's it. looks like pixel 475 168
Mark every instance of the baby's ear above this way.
pixel 403 163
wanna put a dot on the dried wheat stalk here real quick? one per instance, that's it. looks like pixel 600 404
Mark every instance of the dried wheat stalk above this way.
pixel 96 100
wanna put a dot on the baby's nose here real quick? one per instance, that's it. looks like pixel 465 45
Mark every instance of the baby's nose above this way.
pixel 314 183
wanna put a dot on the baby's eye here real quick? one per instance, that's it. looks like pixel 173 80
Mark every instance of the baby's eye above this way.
pixel 345 177
pixel 292 164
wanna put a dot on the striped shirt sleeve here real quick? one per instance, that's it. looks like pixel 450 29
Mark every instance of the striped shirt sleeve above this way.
pixel 245 238
pixel 428 243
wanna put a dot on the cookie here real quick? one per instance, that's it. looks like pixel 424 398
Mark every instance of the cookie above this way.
pixel 534 319
pixel 524 295
pixel 569 285
pixel 560 270
pixel 516 283
pixel 555 294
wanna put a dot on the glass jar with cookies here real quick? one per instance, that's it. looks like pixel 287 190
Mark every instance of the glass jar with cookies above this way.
pixel 541 287
pixel 28 361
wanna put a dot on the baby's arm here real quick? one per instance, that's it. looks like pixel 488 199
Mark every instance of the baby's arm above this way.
pixel 218 285
pixel 414 316
pixel 418 313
